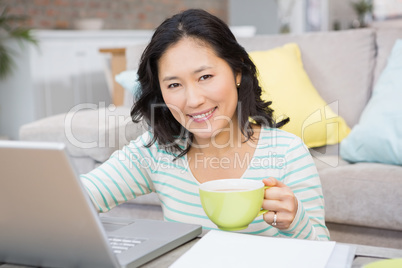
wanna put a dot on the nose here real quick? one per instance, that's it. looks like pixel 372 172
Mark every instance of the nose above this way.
pixel 194 96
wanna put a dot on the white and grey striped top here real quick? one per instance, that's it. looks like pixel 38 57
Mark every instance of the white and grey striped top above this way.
pixel 136 170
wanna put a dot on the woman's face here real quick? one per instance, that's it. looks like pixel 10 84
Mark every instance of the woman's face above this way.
pixel 199 88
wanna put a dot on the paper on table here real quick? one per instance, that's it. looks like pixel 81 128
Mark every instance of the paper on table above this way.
pixel 342 256
pixel 225 249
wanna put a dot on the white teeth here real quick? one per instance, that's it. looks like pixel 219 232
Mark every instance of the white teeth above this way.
pixel 203 115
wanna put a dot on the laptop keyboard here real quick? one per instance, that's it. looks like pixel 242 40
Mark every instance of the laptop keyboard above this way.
pixel 120 244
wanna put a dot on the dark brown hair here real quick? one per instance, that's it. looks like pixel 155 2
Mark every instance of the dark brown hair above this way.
pixel 199 24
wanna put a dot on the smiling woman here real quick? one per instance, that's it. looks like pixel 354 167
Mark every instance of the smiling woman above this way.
pixel 199 90
pixel 176 43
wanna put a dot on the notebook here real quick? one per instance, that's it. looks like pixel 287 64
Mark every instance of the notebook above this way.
pixel 48 220
pixel 236 250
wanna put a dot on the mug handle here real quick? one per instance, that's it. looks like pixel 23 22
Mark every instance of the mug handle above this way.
pixel 263 211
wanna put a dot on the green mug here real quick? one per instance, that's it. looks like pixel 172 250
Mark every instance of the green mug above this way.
pixel 232 204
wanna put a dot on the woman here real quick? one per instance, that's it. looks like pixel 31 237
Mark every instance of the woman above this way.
pixel 199 95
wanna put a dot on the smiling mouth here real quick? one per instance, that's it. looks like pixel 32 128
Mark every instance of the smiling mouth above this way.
pixel 200 116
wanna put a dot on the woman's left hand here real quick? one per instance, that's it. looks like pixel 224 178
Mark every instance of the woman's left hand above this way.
pixel 280 202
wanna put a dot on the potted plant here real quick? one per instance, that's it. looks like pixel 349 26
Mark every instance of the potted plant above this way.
pixel 11 28
pixel 364 11
pixel 284 9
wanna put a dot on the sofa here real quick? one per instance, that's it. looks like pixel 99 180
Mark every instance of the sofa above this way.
pixel 363 200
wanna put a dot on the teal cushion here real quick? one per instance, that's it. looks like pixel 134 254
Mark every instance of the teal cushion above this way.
pixel 378 135
pixel 129 81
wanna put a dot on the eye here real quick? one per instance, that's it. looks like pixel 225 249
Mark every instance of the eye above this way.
pixel 173 85
pixel 205 77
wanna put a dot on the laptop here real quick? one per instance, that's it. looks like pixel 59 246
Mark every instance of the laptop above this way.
pixel 48 220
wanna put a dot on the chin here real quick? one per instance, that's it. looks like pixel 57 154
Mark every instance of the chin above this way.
pixel 202 135
pixel 208 130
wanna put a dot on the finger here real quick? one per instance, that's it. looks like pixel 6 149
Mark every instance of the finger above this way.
pixel 271 205
pixel 273 193
pixel 272 182
pixel 286 206
pixel 272 219
pixel 269 217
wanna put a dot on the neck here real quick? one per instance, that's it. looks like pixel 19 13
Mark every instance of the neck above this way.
pixel 223 143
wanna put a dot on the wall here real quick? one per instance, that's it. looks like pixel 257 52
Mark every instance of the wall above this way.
pixel 259 13
pixel 16 106
pixel 341 11
pixel 390 9
pixel 264 15
pixel 117 14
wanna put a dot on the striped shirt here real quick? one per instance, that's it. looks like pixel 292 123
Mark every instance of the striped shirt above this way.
pixel 136 170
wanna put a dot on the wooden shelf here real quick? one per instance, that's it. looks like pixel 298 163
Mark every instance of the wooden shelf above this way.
pixel 118 63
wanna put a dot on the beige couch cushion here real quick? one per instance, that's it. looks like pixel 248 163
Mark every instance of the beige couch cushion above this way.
pixel 365 194
pixel 86 133
pixel 385 41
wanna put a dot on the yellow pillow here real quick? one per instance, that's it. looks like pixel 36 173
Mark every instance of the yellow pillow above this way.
pixel 285 83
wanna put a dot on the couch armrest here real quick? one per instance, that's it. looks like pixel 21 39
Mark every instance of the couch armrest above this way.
pixel 94 133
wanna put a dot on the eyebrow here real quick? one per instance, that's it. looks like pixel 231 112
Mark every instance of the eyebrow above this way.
pixel 202 68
